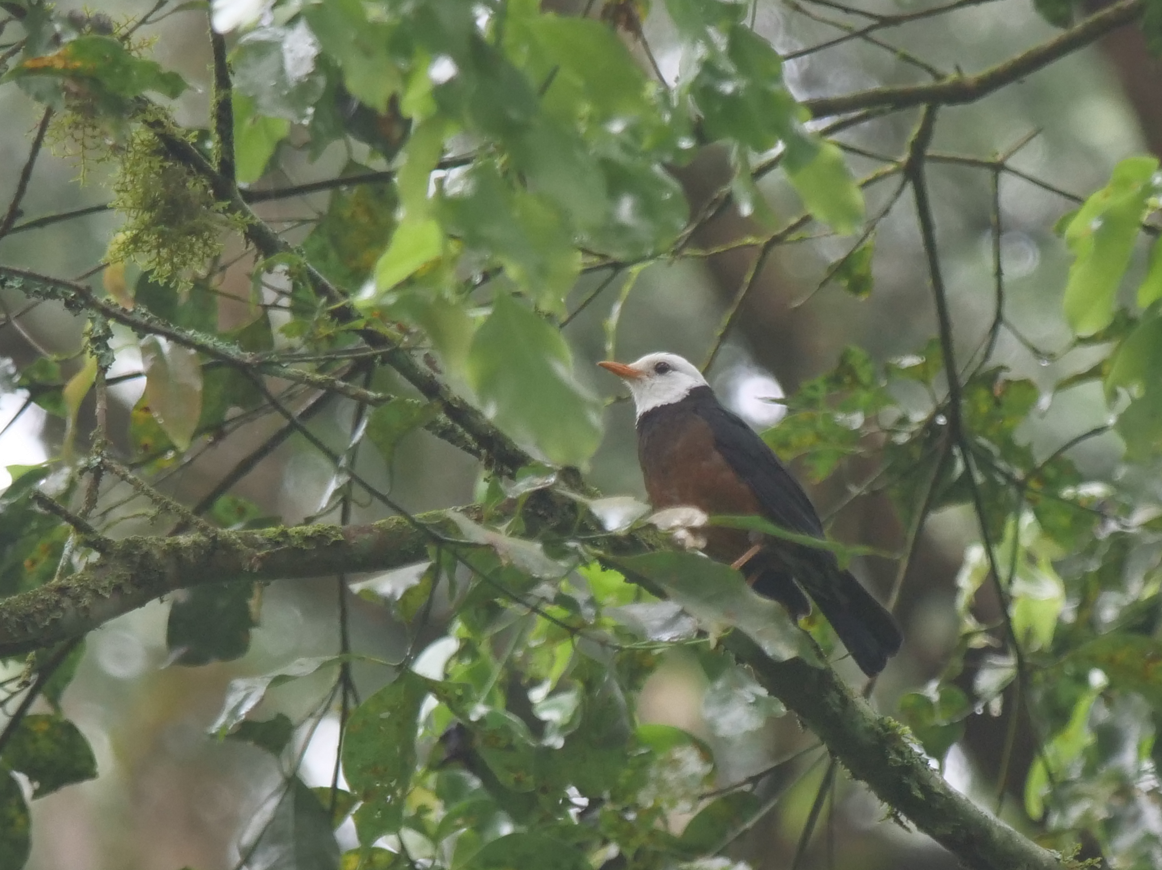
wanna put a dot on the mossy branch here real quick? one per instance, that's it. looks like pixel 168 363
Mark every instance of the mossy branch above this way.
pixel 880 752
pixel 483 440
pixel 960 89
pixel 874 749
pixel 133 571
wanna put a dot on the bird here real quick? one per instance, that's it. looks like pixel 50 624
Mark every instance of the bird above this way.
pixel 693 451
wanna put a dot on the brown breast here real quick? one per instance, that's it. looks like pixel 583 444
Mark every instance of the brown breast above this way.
pixel 681 466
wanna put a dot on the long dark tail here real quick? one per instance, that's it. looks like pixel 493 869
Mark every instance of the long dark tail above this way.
pixel 863 624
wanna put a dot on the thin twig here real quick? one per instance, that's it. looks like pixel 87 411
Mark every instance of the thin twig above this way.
pixel 961 89
pixel 25 174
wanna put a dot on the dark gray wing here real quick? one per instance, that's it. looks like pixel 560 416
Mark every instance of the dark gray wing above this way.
pixel 782 498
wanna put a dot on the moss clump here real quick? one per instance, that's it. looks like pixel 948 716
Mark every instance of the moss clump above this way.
pixel 172 226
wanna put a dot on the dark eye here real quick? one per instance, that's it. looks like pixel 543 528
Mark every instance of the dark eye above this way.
pixel 661 368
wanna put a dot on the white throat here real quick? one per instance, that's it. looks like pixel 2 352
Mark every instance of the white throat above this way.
pixel 655 389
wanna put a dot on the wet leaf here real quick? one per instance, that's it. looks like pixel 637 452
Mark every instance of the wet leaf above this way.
pixel 50 751
pixel 528 556
pixel 379 752
pixel 212 622
pixel 388 424
pixel 413 245
pixel 297 835
pixel 105 60
pixel 661 621
pixel 359 224
pixel 735 704
pixel 273 735
pixel 708 831
pixel 529 851
pixel 15 823
pixel 276 67
pixel 173 388
pixel 360 47
pixel 1101 238
pixel 521 368
pixel 255 138
pixel 820 176
pixel 1131 661
pixel 245 693
pixel 854 273
pixel 718 597
pixel 936 716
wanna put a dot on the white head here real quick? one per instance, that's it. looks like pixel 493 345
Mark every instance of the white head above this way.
pixel 657 379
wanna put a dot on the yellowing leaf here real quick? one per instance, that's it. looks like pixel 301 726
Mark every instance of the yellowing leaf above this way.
pixel 74 393
pixel 114 280
pixel 173 388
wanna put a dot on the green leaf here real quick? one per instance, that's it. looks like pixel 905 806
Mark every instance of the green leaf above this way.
pixel 520 367
pixel 255 138
pixel 173 387
pixel 55 687
pixel 696 19
pixel 106 61
pixel 344 802
pixel 681 771
pixel 1059 13
pixel 1101 237
pixel 22 479
pixel 15 823
pixel 195 309
pixel 1152 27
pixel 741 95
pixel 296 836
pixel 74 393
pixel 854 272
pixel 43 381
pixel 529 851
pixel 522 230
pixel 379 751
pixel 360 222
pixel 505 745
pixel 275 66
pixel 31 541
pixel 445 321
pixel 735 704
pixel 1150 290
pixel 1137 364
pixel 596 78
pixel 561 168
pixel 1065 746
pixel 51 752
pixel 1130 661
pixel 1038 596
pixel 212 622
pixel 388 424
pixel 224 391
pixel 936 717
pixel 527 556
pixel 715 823
pixel 819 174
pixel 718 597
pixel 413 245
pixel 646 211
pixel 360 47
pixel 754 523
pixel 273 735
pixel 245 693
